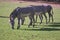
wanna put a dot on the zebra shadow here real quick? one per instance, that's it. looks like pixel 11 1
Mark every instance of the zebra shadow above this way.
pixel 4 17
pixel 42 29
pixel 55 24
pixel 53 27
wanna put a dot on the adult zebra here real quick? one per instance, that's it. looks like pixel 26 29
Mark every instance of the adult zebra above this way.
pixel 42 10
pixel 20 13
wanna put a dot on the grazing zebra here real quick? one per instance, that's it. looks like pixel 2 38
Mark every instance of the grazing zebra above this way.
pixel 42 10
pixel 20 13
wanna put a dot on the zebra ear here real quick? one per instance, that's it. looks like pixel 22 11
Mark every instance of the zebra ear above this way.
pixel 18 8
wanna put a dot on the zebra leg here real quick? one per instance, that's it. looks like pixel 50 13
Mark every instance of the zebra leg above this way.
pixel 41 18
pixel 45 17
pixel 23 19
pixel 52 18
pixel 36 18
pixel 18 23
pixel 30 21
pixel 33 20
pixel 49 18
pixel 50 15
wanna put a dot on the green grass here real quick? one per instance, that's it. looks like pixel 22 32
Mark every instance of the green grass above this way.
pixel 40 32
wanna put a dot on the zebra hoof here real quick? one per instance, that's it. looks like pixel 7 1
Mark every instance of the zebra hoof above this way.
pixel 28 26
pixel 33 26
pixel 40 23
pixel 18 27
pixel 12 27
pixel 22 24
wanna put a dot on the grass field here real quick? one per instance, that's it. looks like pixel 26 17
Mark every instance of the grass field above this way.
pixel 40 32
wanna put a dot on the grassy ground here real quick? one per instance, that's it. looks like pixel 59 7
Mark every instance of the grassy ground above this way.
pixel 40 32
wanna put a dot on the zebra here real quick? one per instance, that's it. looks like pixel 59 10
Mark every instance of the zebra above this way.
pixel 42 10
pixel 22 12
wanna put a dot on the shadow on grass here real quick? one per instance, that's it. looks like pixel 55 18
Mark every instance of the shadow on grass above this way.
pixel 4 17
pixel 55 24
pixel 42 29
pixel 51 27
